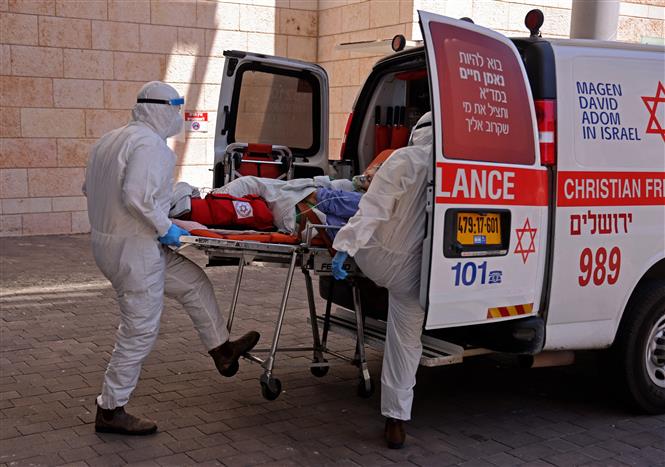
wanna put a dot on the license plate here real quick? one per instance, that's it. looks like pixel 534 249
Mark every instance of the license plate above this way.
pixel 474 229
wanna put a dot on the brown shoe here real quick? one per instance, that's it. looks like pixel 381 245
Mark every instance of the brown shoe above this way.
pixel 394 433
pixel 226 355
pixel 118 421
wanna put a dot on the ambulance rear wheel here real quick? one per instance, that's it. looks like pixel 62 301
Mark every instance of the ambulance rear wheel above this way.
pixel 639 349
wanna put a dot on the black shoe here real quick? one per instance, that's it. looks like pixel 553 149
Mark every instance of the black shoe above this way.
pixel 118 421
pixel 226 356
pixel 394 433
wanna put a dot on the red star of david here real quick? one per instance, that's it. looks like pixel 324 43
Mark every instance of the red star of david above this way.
pixel 519 249
pixel 654 125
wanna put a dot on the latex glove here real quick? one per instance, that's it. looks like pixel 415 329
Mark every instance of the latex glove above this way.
pixel 172 237
pixel 338 265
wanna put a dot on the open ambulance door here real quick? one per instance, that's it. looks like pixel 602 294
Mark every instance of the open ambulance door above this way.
pixel 267 100
pixel 484 255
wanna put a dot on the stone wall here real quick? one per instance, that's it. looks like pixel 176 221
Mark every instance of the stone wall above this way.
pixel 349 21
pixel 70 71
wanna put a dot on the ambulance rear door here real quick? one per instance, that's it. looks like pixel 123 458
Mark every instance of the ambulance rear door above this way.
pixel 274 100
pixel 484 256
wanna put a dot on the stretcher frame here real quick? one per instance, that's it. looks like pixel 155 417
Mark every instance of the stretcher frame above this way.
pixel 233 157
pixel 308 258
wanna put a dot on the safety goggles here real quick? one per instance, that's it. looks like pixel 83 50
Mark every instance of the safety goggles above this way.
pixel 177 101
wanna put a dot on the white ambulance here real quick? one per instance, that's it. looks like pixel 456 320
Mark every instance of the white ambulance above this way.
pixel 546 211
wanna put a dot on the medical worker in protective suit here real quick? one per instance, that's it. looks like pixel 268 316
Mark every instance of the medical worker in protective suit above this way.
pixel 129 182
pixel 385 239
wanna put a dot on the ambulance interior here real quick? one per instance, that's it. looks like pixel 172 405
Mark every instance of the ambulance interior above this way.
pixel 399 100
pixel 395 103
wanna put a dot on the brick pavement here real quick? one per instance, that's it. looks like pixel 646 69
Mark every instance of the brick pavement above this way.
pixel 58 322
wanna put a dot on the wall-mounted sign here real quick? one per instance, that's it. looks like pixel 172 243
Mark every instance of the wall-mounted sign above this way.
pixel 196 121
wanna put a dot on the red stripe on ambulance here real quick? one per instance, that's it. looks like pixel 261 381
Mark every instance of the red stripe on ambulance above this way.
pixel 611 189
pixel 490 184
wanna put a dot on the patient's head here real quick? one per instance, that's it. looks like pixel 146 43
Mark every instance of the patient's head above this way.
pixel 362 182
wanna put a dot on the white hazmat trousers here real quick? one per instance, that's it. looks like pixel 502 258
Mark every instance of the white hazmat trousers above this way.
pixel 129 183
pixel 385 238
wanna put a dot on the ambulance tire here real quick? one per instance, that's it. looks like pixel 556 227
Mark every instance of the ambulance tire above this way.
pixel 644 313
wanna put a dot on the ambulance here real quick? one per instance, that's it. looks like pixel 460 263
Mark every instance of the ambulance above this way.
pixel 546 197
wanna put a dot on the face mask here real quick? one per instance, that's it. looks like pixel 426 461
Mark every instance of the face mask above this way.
pixel 176 125
pixel 360 183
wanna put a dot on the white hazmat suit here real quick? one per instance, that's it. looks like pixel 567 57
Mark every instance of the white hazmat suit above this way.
pixel 385 239
pixel 129 183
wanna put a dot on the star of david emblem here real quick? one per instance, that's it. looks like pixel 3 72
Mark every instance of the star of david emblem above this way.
pixel 528 231
pixel 654 125
pixel 244 209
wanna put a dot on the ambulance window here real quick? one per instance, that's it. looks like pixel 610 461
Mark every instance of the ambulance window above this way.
pixel 483 97
pixel 276 107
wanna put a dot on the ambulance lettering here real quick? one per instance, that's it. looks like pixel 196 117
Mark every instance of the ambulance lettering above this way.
pixel 481 184
pixel 599 266
pixel 600 112
pixel 592 223
pixel 469 274
pixel 599 192
pixel 611 189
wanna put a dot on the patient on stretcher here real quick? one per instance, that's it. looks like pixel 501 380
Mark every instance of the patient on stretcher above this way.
pixel 332 201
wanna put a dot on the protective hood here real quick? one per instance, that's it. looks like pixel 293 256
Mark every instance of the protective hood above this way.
pixel 164 119
pixel 421 135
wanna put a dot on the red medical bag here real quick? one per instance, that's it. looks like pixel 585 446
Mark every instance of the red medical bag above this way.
pixel 226 211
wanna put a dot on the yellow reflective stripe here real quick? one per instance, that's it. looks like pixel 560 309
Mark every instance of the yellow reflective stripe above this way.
pixel 512 310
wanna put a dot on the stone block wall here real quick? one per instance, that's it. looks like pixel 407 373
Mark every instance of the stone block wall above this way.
pixel 70 71
pixel 343 21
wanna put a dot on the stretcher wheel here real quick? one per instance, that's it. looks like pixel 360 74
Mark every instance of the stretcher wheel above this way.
pixel 363 391
pixel 272 389
pixel 231 370
pixel 319 371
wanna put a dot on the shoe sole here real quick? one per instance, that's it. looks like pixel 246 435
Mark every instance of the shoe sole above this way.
pixel 232 369
pixel 120 431
pixel 395 445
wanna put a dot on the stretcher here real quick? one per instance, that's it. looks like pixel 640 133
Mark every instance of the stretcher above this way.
pixel 310 258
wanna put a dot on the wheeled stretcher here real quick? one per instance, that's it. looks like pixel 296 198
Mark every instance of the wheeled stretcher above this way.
pixel 310 259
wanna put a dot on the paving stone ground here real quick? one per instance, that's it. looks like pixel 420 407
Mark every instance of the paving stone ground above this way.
pixel 58 324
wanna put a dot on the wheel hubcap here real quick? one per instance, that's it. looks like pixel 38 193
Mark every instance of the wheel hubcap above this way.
pixel 655 353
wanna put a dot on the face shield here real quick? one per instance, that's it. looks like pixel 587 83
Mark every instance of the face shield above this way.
pixel 177 103
pixel 160 106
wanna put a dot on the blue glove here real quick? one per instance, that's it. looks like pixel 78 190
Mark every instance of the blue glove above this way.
pixel 338 265
pixel 172 237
